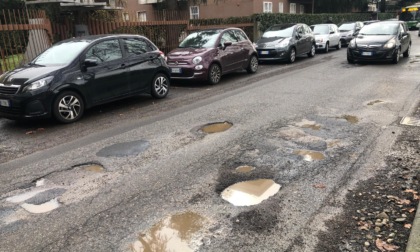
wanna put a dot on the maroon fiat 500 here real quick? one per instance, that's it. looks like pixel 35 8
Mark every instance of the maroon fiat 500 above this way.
pixel 207 55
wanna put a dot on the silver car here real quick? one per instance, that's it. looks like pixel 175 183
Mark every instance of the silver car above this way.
pixel 326 36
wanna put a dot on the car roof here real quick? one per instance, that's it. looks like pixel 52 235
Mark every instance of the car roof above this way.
pixel 92 38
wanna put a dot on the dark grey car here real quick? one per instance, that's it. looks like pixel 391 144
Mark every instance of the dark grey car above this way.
pixel 285 42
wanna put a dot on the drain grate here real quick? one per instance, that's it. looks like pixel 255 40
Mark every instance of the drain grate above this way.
pixel 411 121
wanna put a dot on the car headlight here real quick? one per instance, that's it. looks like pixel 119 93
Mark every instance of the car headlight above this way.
pixel 197 60
pixel 283 43
pixel 320 40
pixel 39 83
pixel 352 43
pixel 390 44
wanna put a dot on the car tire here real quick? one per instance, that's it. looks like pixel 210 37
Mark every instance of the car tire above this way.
pixel 338 47
pixel 253 64
pixel 396 57
pixel 160 86
pixel 68 107
pixel 327 47
pixel 350 60
pixel 407 52
pixel 311 53
pixel 215 74
pixel 292 55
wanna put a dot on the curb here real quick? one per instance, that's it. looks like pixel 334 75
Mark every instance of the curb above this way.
pixel 413 244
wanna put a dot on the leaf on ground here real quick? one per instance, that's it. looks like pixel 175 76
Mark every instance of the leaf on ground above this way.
pixel 364 225
pixel 415 193
pixel 30 132
pixel 383 246
pixel 407 226
pixel 320 186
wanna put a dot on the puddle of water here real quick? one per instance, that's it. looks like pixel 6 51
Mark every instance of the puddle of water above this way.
pixel 244 169
pixel 251 192
pixel 171 234
pixel 94 168
pixel 412 121
pixel 24 196
pixel 309 124
pixel 216 127
pixel 42 208
pixel 310 155
pixel 351 119
pixel 374 102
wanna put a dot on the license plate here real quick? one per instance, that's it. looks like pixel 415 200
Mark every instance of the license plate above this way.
pixel 367 53
pixel 4 103
pixel 264 52
pixel 175 70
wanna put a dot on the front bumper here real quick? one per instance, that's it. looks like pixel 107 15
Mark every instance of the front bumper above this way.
pixel 272 54
pixel 26 105
pixel 320 45
pixel 366 54
pixel 187 72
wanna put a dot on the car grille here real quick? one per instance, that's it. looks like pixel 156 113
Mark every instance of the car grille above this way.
pixel 10 110
pixel 8 89
pixel 174 63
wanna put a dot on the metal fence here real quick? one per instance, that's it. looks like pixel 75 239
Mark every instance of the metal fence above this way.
pixel 23 35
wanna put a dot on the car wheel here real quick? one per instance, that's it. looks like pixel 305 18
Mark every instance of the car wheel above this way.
pixel 350 60
pixel 407 52
pixel 215 74
pixel 68 107
pixel 292 55
pixel 253 64
pixel 160 86
pixel 311 53
pixel 327 47
pixel 339 45
pixel 396 58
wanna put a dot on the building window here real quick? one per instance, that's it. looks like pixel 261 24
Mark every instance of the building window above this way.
pixel 141 16
pixel 281 7
pixel 292 8
pixel 126 16
pixel 302 9
pixel 267 7
pixel 194 12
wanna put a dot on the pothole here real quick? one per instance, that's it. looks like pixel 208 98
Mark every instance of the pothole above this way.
pixel 411 121
pixel 174 233
pixel 309 155
pixel 249 193
pixel 351 119
pixel 374 102
pixel 124 149
pixel 216 127
pixel 41 208
pixel 244 169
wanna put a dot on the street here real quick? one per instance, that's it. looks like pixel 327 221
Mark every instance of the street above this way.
pixel 142 175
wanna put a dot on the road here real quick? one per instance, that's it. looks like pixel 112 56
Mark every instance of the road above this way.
pixel 133 170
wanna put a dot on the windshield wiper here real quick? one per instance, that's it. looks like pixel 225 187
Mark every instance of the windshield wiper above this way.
pixel 35 64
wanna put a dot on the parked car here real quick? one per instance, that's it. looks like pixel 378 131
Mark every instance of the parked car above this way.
pixel 80 73
pixel 381 41
pixel 285 42
pixel 208 54
pixel 348 31
pixel 326 36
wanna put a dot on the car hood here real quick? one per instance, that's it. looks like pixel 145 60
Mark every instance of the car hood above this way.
pixel 25 74
pixel 366 40
pixel 267 42
pixel 321 36
pixel 187 52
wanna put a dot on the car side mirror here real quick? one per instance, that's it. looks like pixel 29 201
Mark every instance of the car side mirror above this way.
pixel 356 33
pixel 297 36
pixel 90 62
pixel 226 44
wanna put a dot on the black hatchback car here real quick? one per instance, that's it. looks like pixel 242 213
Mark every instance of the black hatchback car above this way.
pixel 285 42
pixel 79 73
pixel 380 41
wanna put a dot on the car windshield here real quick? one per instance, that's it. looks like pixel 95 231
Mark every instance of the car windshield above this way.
pixel 202 39
pixel 380 29
pixel 62 54
pixel 346 27
pixel 279 32
pixel 320 29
